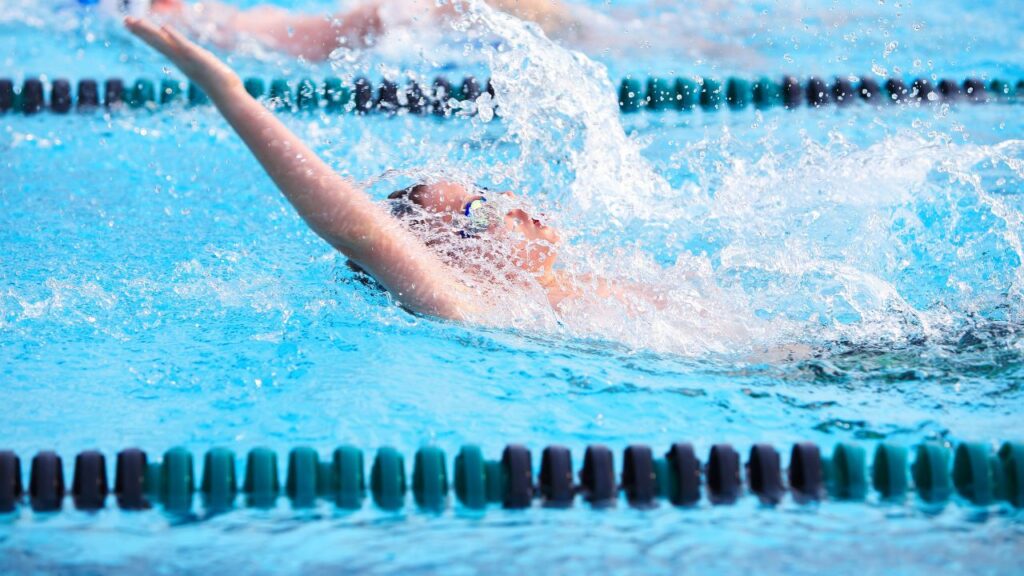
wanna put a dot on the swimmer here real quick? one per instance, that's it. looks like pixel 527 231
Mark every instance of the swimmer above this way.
pixel 315 37
pixel 423 278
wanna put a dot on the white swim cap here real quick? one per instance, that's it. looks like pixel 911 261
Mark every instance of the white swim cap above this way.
pixel 120 8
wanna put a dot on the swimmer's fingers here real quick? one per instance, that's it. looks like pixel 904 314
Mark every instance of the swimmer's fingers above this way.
pixel 165 40
pixel 193 60
pixel 178 38
pixel 158 38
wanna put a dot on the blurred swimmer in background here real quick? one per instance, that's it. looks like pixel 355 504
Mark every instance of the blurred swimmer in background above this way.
pixel 315 36
pixel 629 29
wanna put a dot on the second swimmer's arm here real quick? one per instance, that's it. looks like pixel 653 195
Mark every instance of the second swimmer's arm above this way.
pixel 336 210
pixel 311 36
pixel 316 36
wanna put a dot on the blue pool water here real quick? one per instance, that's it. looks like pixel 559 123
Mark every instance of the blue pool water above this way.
pixel 836 275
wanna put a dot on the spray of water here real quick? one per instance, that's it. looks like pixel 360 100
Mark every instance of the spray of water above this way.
pixel 730 247
pixel 804 248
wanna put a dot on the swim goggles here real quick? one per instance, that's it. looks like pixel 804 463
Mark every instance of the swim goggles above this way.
pixel 479 216
pixel 484 212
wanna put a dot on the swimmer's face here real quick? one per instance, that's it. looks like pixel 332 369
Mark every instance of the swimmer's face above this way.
pixel 534 242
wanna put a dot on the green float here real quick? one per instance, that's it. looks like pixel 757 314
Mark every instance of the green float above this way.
pixel 430 478
pixel 219 485
pixel 281 97
pixel 687 94
pixel 303 469
pixel 336 95
pixel 196 96
pixel 348 477
pixel 660 94
pixel 1011 458
pixel 849 472
pixel 630 95
pixel 387 479
pixel 170 91
pixel 142 94
pixel 306 97
pixel 255 87
pixel 889 472
pixel 931 472
pixel 711 95
pixel 737 93
pixel 262 485
pixel 178 480
pixel 972 473
pixel 1000 88
pixel 766 93
pixel 470 477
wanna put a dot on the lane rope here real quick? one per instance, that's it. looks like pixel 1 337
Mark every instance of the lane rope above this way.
pixel 972 474
pixel 444 99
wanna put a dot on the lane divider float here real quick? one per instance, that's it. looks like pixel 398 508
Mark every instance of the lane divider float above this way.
pixel 972 473
pixel 707 94
pixel 332 95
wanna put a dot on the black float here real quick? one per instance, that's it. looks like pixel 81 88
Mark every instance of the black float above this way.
pixel 638 477
pixel 46 482
pixel 764 473
pixel 32 100
pixel 806 480
pixel 129 480
pixel 88 95
pixel 60 96
pixel 556 477
pixel 597 479
pixel 89 487
pixel 723 474
pixel 515 461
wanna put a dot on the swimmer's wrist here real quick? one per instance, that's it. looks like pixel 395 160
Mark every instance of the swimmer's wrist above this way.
pixel 223 87
pixel 215 77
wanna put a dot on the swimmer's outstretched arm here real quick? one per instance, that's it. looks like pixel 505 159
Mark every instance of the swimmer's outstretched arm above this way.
pixel 333 207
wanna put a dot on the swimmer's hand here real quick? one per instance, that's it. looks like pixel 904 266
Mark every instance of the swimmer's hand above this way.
pixel 334 207
pixel 197 63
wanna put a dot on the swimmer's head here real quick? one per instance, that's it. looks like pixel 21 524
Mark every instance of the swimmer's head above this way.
pixel 453 210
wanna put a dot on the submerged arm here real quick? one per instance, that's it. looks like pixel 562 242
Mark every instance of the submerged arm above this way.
pixel 333 207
